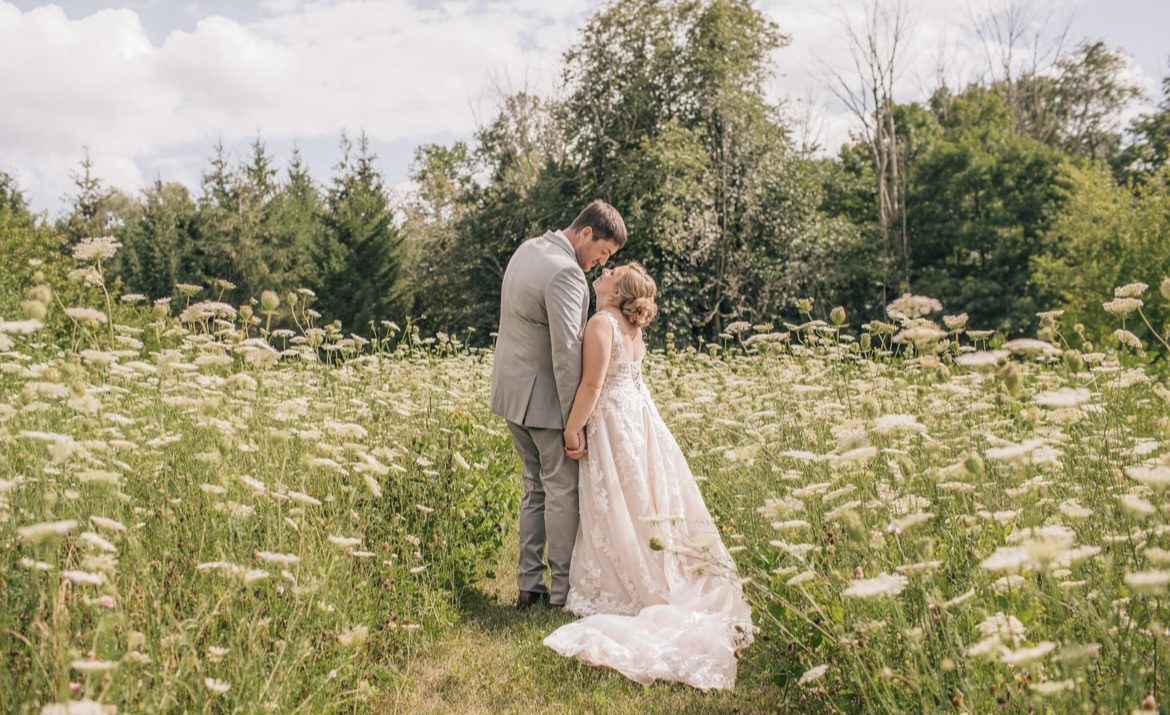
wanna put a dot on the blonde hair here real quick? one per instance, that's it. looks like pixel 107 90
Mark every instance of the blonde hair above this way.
pixel 637 290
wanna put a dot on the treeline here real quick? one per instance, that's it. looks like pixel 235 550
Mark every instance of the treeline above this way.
pixel 1016 193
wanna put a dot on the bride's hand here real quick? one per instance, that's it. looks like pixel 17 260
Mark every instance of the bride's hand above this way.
pixel 574 445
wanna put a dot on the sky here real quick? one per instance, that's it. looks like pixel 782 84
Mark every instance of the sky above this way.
pixel 148 87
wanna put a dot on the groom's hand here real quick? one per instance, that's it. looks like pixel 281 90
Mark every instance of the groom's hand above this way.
pixel 575 447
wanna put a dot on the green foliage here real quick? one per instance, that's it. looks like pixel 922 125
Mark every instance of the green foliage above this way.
pixel 676 129
pixel 1091 93
pixel 443 177
pixel 33 251
pixel 980 196
pixel 235 238
pixel 463 232
pixel 980 200
pixel 664 117
pixel 157 247
pixel 1109 236
pixel 359 252
pixel 95 210
pixel 1075 106
pixel 1149 152
pixel 669 212
pixel 294 221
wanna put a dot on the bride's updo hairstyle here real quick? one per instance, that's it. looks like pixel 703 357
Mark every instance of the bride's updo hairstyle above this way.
pixel 637 290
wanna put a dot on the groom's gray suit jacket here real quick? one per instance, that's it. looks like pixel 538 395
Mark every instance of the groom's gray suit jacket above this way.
pixel 544 303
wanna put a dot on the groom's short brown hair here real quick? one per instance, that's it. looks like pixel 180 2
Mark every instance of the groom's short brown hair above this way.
pixel 606 222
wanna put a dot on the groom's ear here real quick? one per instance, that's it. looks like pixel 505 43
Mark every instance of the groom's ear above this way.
pixel 586 233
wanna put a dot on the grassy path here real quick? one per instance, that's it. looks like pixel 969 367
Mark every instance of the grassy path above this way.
pixel 494 662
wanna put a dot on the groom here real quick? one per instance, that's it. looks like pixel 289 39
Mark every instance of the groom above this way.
pixel 544 303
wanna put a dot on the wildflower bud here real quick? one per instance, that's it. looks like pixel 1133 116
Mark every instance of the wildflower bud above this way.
pixel 34 309
pixel 804 305
pixel 866 341
pixel 838 316
pixel 1046 332
pixel 42 293
pixel 245 313
pixel 1013 379
pixel 973 463
pixel 269 301
pixel 854 529
pixel 656 544
pixel 162 308
pixel 291 298
pixel 1073 360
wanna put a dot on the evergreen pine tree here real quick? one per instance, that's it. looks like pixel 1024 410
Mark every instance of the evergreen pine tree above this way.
pixel 214 237
pixel 158 246
pixel 255 250
pixel 359 254
pixel 296 220
pixel 96 209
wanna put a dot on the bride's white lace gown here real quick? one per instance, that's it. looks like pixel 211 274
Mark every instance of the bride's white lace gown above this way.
pixel 674 612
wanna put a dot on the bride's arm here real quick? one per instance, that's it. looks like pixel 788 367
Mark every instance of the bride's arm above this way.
pixel 595 349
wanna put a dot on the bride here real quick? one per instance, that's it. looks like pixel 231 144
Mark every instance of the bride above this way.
pixel 658 592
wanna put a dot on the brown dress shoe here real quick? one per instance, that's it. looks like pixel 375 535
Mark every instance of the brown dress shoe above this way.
pixel 527 599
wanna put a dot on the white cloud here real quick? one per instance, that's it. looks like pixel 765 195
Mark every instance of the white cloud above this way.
pixel 394 69
pixel 280 7
pixel 402 71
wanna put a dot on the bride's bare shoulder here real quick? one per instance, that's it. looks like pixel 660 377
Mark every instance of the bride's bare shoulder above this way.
pixel 601 320
pixel 599 326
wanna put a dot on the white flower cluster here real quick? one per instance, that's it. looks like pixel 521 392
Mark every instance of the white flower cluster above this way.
pixel 101 248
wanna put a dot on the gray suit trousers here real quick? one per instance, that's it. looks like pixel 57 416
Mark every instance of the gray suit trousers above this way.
pixel 549 511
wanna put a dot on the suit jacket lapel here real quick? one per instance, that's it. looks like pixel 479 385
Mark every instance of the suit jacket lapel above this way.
pixel 561 241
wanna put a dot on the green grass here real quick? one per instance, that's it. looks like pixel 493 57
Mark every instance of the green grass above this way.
pixel 493 661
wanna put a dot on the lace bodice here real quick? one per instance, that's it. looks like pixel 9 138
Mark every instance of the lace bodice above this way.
pixel 623 377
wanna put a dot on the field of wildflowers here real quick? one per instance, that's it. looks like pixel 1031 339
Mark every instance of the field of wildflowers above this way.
pixel 191 515
pixel 200 513
pixel 944 528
